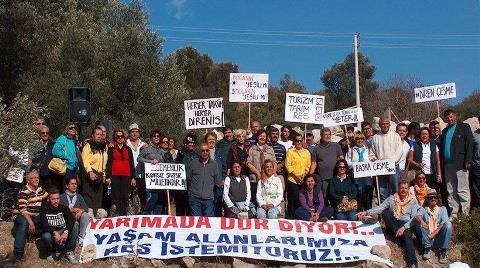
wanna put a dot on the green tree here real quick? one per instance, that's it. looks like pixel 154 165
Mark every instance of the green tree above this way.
pixel 470 106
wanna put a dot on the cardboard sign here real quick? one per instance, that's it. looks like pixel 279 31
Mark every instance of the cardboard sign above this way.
pixel 204 113
pixel 303 108
pixel 437 92
pixel 246 87
pixel 166 237
pixel 343 117
pixel 377 168
pixel 15 175
pixel 165 176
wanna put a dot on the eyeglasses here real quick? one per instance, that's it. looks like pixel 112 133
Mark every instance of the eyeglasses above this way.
pixel 360 139
pixel 40 123
pixel 165 141
pixel 71 128
pixel 299 140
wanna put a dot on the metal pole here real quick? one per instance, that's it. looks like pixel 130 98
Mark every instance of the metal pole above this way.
pixel 357 76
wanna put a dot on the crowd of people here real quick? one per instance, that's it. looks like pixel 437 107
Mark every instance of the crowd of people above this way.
pixel 259 173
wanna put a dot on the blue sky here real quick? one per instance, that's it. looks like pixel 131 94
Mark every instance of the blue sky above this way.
pixel 303 38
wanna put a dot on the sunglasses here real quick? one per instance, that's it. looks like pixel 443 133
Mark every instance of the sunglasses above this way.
pixel 205 150
pixel 164 141
pixel 360 139
pixel 156 136
pixel 299 140
pixel 43 133
pixel 339 167
pixel 120 136
pixel 71 128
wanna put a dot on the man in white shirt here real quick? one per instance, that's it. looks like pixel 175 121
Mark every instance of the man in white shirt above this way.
pixel 136 144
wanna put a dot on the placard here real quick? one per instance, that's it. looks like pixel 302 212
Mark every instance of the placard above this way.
pixel 165 176
pixel 304 108
pixel 343 117
pixel 436 92
pixel 377 168
pixel 15 175
pixel 165 237
pixel 204 113
pixel 247 87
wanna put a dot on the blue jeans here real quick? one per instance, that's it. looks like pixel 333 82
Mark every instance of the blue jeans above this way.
pixel 271 214
pixel 305 215
pixel 51 246
pixel 440 241
pixel 240 205
pixel 20 232
pixel 201 207
pixel 154 204
pixel 346 216
pixel 392 224
pixel 389 184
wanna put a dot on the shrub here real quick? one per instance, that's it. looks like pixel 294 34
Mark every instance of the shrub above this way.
pixel 466 233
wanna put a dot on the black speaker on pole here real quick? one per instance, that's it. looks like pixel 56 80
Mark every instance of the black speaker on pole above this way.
pixel 80 110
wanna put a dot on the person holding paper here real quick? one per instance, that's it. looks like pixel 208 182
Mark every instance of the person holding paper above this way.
pixel 399 211
pixel 312 204
pixel 220 158
pixel 269 192
pixel 237 194
pixel 342 193
pixel 387 145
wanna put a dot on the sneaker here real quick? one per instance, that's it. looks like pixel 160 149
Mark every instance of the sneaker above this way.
pixel 71 257
pixel 442 258
pixel 427 254
pixel 51 258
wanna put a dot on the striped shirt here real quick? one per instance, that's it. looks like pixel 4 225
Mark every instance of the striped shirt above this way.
pixel 30 201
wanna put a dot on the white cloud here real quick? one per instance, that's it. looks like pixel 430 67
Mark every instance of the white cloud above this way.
pixel 179 7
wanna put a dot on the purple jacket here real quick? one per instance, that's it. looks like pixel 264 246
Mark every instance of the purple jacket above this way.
pixel 318 201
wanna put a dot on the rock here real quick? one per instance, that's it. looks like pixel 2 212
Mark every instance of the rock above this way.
pixel 189 262
pixel 300 266
pixel 88 253
pixel 237 263
pixel 157 263
pixel 373 264
pixel 382 251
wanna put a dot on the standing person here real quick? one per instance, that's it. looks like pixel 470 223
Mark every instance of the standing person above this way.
pixel 297 163
pixel 255 127
pixel 312 204
pixel 203 176
pixel 165 150
pixel 238 152
pixel 347 141
pixel 425 156
pixel 475 168
pixel 66 149
pixel 59 229
pixel 399 211
pixel 457 151
pixel 136 144
pixel 42 158
pixel 342 192
pixel 218 157
pixel 237 193
pixel 121 172
pixel 152 154
pixel 279 149
pixel 257 154
pixel 324 158
pixel 285 137
pixel 186 155
pixel 402 130
pixel 360 153
pixel 435 131
pixel 172 147
pixel 94 155
pixel 387 145
pixel 367 131
pixel 413 133
pixel 223 147
pixel 310 141
pixel 26 216
pixel 434 228
pixel 75 202
pixel 269 192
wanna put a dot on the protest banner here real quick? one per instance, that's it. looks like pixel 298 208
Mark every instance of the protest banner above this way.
pixel 377 168
pixel 436 92
pixel 165 176
pixel 248 87
pixel 204 113
pixel 304 108
pixel 343 117
pixel 164 237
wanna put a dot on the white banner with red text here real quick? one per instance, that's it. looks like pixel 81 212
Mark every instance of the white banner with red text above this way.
pixel 164 237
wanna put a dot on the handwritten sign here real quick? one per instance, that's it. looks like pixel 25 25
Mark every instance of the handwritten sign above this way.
pixel 343 117
pixel 437 92
pixel 303 108
pixel 204 113
pixel 165 176
pixel 377 168
pixel 246 87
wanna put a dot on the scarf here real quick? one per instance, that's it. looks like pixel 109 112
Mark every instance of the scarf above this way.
pixel 432 218
pixel 71 199
pixel 421 192
pixel 360 152
pixel 401 206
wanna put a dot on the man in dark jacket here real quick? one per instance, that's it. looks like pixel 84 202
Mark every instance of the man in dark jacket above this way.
pixel 60 230
pixel 42 158
pixel 203 175
pixel 457 150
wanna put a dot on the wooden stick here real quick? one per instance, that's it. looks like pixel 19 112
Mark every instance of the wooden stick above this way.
pixel 168 200
pixel 249 115
pixel 348 141
pixel 378 190
pixel 305 134
pixel 438 110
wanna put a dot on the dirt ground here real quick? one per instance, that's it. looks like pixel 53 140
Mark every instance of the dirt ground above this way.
pixel 33 260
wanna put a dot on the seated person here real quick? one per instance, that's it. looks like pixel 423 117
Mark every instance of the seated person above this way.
pixel 398 212
pixel 420 188
pixel 236 193
pixel 269 192
pixel 434 227
pixel 27 214
pixel 77 206
pixel 59 229
pixel 342 192
pixel 312 205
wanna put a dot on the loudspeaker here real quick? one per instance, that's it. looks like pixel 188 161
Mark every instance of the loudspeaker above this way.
pixel 80 110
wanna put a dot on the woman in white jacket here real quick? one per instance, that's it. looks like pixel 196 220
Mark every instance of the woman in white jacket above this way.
pixel 269 192
pixel 362 153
